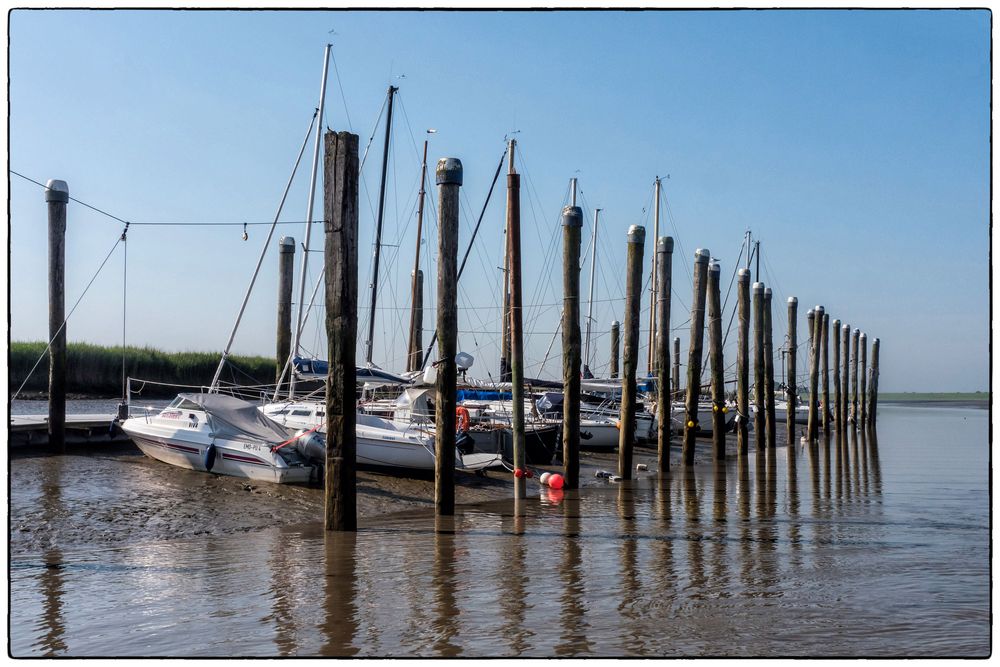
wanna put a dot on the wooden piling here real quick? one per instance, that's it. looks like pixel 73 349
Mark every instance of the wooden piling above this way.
pixel 760 411
pixel 677 367
pixel 742 362
pixel 873 387
pixel 855 335
pixel 340 222
pixel 415 358
pixel 770 421
pixel 695 351
pixel 615 346
pixel 516 332
pixel 791 386
pixel 286 266
pixel 825 370
pixel 572 221
pixel 863 379
pixel 716 360
pixel 837 396
pixel 816 339
pixel 664 430
pixel 845 336
pixel 57 197
pixel 448 177
pixel 633 298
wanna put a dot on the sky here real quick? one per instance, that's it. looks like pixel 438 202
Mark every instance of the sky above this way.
pixel 854 145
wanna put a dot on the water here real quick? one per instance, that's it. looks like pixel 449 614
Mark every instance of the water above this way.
pixel 882 550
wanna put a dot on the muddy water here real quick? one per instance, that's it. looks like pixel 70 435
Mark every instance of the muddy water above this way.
pixel 870 549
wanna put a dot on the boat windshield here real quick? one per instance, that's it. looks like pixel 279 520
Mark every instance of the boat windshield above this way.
pixel 181 403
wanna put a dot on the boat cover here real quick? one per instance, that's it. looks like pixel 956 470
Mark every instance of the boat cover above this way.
pixel 415 400
pixel 232 418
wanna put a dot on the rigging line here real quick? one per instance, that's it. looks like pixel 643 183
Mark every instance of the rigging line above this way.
pixel 71 311
pixel 93 208
pixel 124 239
pixel 340 84
pixel 732 315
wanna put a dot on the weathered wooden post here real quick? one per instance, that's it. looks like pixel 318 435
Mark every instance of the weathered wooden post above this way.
pixel 664 256
pixel 633 298
pixel 695 348
pixel 837 396
pixel 615 346
pixel 855 335
pixel 873 386
pixel 677 367
pixel 572 220
pixel 760 414
pixel 57 197
pixel 715 357
pixel 845 336
pixel 817 343
pixel 286 266
pixel 863 379
pixel 340 216
pixel 772 426
pixel 448 176
pixel 825 370
pixel 791 386
pixel 742 362
pixel 414 360
pixel 516 332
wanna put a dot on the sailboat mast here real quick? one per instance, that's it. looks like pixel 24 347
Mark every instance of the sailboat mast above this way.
pixel 378 229
pixel 651 358
pixel 505 325
pixel 309 214
pixel 590 305
pixel 413 358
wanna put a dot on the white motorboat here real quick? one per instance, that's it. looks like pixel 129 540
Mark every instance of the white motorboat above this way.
pixel 227 436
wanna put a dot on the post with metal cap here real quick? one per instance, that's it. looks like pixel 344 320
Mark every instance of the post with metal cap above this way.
pixel 695 350
pixel 57 196
pixel 633 298
pixel 572 221
pixel 615 346
pixel 863 379
pixel 825 371
pixel 817 339
pixel 845 342
pixel 516 331
pixel 677 368
pixel 873 386
pixel 664 260
pixel 742 362
pixel 286 268
pixel 760 410
pixel 769 417
pixel 855 335
pixel 837 396
pixel 791 386
pixel 340 222
pixel 715 356
pixel 449 179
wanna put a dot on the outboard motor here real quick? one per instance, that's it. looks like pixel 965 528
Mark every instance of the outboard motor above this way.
pixel 464 442
pixel 311 447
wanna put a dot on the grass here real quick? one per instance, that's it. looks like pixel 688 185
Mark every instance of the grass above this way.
pixel 96 370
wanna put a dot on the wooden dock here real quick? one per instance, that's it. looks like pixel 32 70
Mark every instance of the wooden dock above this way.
pixel 32 430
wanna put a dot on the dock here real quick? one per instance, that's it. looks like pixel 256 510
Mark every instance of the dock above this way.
pixel 32 430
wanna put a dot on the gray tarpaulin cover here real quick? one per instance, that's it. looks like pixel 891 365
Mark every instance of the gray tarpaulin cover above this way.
pixel 232 418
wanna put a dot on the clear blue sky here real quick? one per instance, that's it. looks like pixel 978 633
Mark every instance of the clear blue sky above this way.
pixel 854 144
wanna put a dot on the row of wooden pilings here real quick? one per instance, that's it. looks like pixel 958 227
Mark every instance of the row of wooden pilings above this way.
pixel 341 226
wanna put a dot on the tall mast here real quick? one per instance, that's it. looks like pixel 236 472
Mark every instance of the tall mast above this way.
pixel 412 359
pixel 590 305
pixel 505 325
pixel 378 229
pixel 651 364
pixel 309 214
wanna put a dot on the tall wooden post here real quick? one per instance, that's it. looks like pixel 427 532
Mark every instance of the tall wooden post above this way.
pixel 448 177
pixel 572 220
pixel 286 267
pixel 743 362
pixel 791 386
pixel 664 257
pixel 505 335
pixel 817 339
pixel 837 397
pixel 340 216
pixel 633 298
pixel 863 379
pixel 855 335
pixel 57 197
pixel 516 334
pixel 873 387
pixel 695 351
pixel 415 358
pixel 677 367
pixel 760 414
pixel 845 336
pixel 825 370
pixel 615 346
pixel 770 421
pixel 715 357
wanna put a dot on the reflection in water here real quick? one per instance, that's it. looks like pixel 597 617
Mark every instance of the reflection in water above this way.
pixel 340 622
pixel 720 565
pixel 826 467
pixel 876 468
pixel 573 638
pixel 514 574
pixel 864 464
pixel 794 524
pixel 52 642
pixel 664 570
pixel 445 624
pixel 282 614
pixel 692 527
pixel 743 508
pixel 631 587
pixel 856 462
